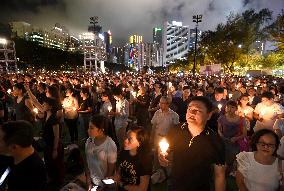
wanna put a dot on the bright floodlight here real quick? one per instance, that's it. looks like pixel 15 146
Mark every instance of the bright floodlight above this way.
pixel 3 41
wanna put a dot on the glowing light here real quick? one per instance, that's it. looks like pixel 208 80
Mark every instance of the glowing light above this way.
pixel 35 110
pixel 3 41
pixel 219 106
pixel 109 108
pixel 9 91
pixel 230 96
pixel 164 145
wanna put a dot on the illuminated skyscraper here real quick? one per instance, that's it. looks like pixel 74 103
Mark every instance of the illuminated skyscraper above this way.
pixel 158 35
pixel 136 52
pixel 176 41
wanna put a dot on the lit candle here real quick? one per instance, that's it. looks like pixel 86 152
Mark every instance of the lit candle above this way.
pixel 74 108
pixel 170 84
pixel 134 94
pixel 109 108
pixel 9 91
pixel 255 88
pixel 35 110
pixel 230 96
pixel 262 112
pixel 219 106
pixel 164 145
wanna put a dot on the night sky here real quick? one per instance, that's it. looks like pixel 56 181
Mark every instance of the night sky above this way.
pixel 125 17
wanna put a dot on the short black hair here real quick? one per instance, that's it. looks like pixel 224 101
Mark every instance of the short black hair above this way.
pixel 20 86
pixel 256 136
pixel 268 95
pixel 208 104
pixel 18 132
pixel 232 103
pixel 101 122
pixel 117 91
pixel 219 90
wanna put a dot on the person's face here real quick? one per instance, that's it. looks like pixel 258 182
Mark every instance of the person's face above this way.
pixel 47 93
pixel 266 145
pixel 46 107
pixel 199 93
pixel 244 100
pixel 16 91
pixel 266 101
pixel 68 93
pixel 93 131
pixel 131 142
pixel 219 96
pixel 231 109
pixel 186 92
pixel 4 149
pixel 164 105
pixel 251 92
pixel 104 98
pixel 157 87
pixel 197 114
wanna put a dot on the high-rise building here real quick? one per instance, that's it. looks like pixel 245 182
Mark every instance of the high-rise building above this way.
pixel 192 38
pixel 136 52
pixel 8 60
pixel 153 55
pixel 57 37
pixel 158 35
pixel 176 42
pixel 93 47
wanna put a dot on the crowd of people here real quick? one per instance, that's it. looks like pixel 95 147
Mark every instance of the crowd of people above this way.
pixel 215 127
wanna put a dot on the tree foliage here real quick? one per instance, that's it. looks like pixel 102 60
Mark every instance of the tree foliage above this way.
pixel 227 44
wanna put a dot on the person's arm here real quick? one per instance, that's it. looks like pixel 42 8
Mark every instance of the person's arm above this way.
pixel 34 99
pixel 110 169
pixel 29 104
pixel 143 186
pixel 220 129
pixel 240 181
pixel 220 180
pixel 86 111
pixel 56 140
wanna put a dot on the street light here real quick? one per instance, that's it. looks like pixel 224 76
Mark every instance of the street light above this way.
pixel 197 19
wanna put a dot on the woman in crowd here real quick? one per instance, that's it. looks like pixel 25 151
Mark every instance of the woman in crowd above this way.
pixel 70 106
pixel 260 170
pixel 53 151
pixel 85 109
pixel 101 152
pixel 23 105
pixel 232 129
pixel 246 111
pixel 135 162
pixel 141 107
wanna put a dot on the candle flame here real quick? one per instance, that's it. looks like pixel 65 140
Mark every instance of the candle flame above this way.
pixel 35 110
pixel 164 145
pixel 220 106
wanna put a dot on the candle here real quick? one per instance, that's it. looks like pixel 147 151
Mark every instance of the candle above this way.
pixel 109 108
pixel 219 106
pixel 9 91
pixel 230 95
pixel 255 88
pixel 134 94
pixel 35 110
pixel 74 108
pixel 164 145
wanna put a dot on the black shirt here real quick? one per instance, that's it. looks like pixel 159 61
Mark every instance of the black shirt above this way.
pixel 86 104
pixel 48 134
pixel 192 165
pixel 132 167
pixel 180 106
pixel 30 174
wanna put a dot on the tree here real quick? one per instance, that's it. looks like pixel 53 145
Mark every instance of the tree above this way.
pixel 276 30
pixel 230 41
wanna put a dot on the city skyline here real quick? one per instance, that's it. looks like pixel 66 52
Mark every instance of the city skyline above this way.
pixel 124 17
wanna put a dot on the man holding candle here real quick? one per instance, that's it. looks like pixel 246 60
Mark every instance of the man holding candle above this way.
pixel 194 150
pixel 267 112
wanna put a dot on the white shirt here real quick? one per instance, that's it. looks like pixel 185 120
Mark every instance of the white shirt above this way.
pixel 122 107
pixel 267 113
pixel 163 121
pixel 98 157
pixel 258 177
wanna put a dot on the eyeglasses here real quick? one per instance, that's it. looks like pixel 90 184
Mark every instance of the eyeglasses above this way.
pixel 271 146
